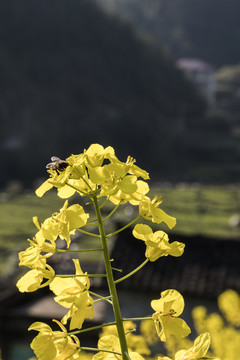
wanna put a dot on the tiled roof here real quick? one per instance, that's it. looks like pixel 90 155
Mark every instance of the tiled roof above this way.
pixel 39 304
pixel 207 267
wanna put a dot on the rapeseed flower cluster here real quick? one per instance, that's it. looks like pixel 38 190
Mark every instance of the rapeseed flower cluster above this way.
pixel 97 173
pixel 197 352
pixel 59 225
pixel 223 326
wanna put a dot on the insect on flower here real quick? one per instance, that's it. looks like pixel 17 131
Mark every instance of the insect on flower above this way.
pixel 57 164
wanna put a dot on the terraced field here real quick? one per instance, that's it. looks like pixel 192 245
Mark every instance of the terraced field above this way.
pixel 212 211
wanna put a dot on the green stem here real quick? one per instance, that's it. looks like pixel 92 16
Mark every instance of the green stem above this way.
pixel 124 227
pixel 76 251
pixel 111 284
pixel 92 223
pixel 88 233
pixel 97 327
pixel 86 182
pixel 104 298
pixel 116 269
pixel 80 192
pixel 111 213
pixel 101 297
pixel 138 318
pixel 132 272
pixel 82 275
pixel 104 203
pixel 95 294
pixel 96 350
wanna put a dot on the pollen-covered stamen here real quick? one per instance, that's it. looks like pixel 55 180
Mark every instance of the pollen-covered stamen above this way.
pixel 130 160
pixel 156 200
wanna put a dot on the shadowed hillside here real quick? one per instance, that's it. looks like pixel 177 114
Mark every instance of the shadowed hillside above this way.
pixel 206 29
pixel 71 75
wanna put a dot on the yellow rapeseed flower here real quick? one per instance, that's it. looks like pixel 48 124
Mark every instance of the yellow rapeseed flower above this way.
pixel 134 342
pixel 157 242
pixel 198 351
pixel 168 308
pixel 111 343
pixel 149 210
pixel 34 278
pixel 54 345
pixel 64 223
pixel 97 168
pixel 229 304
pixel 73 294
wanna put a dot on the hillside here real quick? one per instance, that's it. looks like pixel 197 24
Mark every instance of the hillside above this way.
pixel 205 29
pixel 72 75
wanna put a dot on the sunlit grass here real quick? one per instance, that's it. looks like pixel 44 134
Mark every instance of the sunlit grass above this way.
pixel 203 210
pixel 199 210
pixel 16 216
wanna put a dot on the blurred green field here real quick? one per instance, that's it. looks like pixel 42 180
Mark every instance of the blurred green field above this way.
pixel 16 215
pixel 205 210
pixel 212 211
pixel 16 224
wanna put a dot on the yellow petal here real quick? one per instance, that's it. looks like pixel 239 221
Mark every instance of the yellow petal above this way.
pixel 171 302
pixel 76 217
pixel 66 192
pixel 143 232
pixel 135 356
pixel 40 326
pixel 161 216
pixel 128 184
pixel 43 188
pixel 84 309
pixel 44 347
pixel 202 344
pixel 29 256
pixel 36 223
pixel 95 155
pixel 174 326
pixel 199 349
pixel 30 281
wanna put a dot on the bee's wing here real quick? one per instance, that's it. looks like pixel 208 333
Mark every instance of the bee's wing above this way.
pixel 55 158
pixel 49 166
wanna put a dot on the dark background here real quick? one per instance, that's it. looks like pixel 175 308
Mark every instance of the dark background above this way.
pixel 72 74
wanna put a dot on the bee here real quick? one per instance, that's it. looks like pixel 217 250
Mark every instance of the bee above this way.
pixel 57 164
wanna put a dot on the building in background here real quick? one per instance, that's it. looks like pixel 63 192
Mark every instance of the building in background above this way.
pixel 202 74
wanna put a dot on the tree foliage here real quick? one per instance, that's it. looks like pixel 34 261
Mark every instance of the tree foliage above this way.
pixel 71 75
pixel 188 28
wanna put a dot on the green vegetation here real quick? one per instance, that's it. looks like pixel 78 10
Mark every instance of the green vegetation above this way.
pixel 16 217
pixel 212 211
pixel 16 214
pixel 228 94
pixel 206 210
pixel 72 76
pixel 188 28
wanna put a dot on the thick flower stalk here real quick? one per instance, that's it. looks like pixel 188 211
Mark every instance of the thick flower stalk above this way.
pixel 101 177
